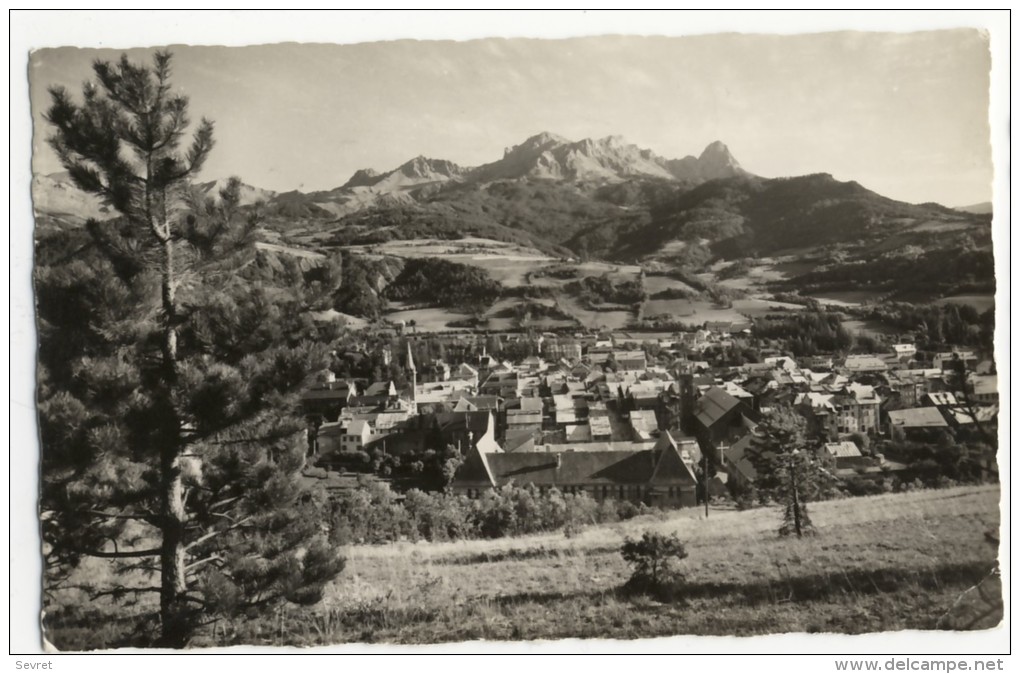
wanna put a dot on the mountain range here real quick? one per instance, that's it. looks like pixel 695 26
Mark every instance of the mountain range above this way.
pixel 543 156
pixel 603 198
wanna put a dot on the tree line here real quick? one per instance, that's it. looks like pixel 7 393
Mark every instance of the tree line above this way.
pixel 806 333
pixel 374 513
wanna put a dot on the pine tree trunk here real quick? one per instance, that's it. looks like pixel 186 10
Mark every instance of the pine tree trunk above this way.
pixel 173 584
pixel 796 502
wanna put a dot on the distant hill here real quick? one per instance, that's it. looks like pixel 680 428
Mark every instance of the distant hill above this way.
pixel 658 218
pixel 55 195
pixel 367 188
pixel 418 171
pixel 249 194
pixel 750 215
pixel 983 208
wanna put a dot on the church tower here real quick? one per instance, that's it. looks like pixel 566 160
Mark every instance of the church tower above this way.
pixel 688 396
pixel 414 380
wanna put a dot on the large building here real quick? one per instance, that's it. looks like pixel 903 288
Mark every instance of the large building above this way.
pixel 657 476
pixel 857 409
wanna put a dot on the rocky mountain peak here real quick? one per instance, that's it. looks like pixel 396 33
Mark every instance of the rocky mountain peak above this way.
pixel 717 156
pixel 430 169
pixel 363 178
pixel 546 138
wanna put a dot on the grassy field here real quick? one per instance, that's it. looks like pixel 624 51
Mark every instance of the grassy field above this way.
pixel 656 284
pixel 981 303
pixel 599 320
pixel 432 319
pixel 846 298
pixel 875 329
pixel 504 262
pixel 906 561
pixel 696 312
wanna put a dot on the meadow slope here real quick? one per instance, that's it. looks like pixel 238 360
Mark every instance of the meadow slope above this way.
pixel 890 562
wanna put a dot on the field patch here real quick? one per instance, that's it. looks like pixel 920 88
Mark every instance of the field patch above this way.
pixel 875 329
pixel 691 312
pixel 332 315
pixel 290 250
pixel 432 319
pixel 507 263
pixel 981 303
pixel 846 298
pixel 601 320
pixel 941 226
pixel 657 284
pixel 752 307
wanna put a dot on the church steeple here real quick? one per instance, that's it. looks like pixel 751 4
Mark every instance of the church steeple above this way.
pixel 414 380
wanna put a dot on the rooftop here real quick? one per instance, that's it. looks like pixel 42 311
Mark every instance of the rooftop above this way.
pixel 712 406
pixel 843 449
pixel 917 417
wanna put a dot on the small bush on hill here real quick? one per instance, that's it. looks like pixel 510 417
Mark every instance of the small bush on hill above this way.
pixel 654 559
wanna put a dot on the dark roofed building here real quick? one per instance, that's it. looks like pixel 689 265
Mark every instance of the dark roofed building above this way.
pixel 738 466
pixel 524 419
pixel 381 389
pixel 467 403
pixel 464 429
pixel 719 420
pixel 328 400
pixel 502 384
pixel 520 440
pixel 714 406
pixel 656 476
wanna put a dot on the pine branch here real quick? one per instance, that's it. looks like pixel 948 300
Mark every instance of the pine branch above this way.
pixel 145 517
pixel 201 602
pixel 223 515
pixel 205 560
pixel 127 554
pixel 212 534
pixel 121 591
pixel 150 566
pixel 219 504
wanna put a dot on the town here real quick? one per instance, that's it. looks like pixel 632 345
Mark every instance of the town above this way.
pixel 628 418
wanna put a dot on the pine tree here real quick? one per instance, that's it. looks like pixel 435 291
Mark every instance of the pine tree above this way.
pixel 787 468
pixel 168 370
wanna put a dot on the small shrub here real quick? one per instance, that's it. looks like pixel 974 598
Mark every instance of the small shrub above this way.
pixel 654 560
pixel 626 510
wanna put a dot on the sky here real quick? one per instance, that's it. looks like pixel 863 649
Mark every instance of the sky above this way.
pixel 904 114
